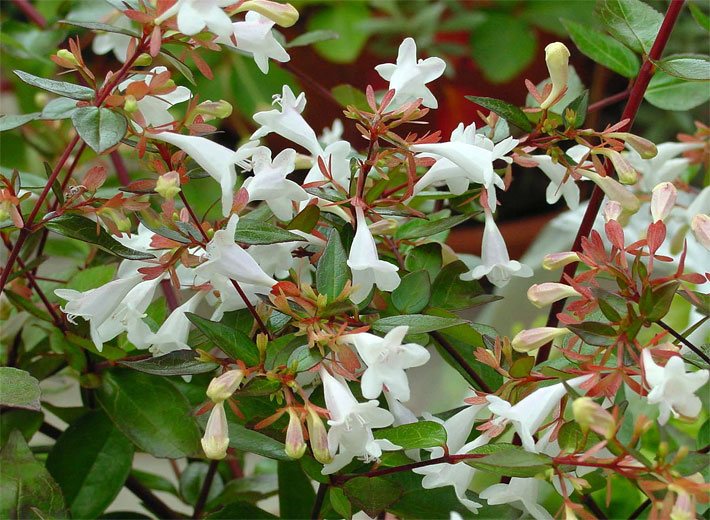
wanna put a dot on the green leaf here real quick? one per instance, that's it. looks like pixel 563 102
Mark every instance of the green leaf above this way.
pixel 261 233
pixel 339 502
pixel 26 421
pixel 509 460
pixel 231 341
pixel 259 386
pixel 660 302
pixel 18 389
pixel 342 18
pixel 603 49
pixel 179 65
pixel 59 108
pixel 306 220
pixel 176 363
pixel 86 230
pixel 521 367
pixel 633 22
pixel 689 68
pixel 413 292
pixel 27 490
pixel 100 128
pixel 304 358
pixel 419 227
pixel 509 112
pixel 192 480
pixel 156 482
pixel 312 37
pixel 249 441
pixel 417 323
pixel 673 93
pixel 296 494
pixel 347 95
pixel 56 87
pixel 332 272
pixel 700 17
pixel 451 292
pixel 595 333
pixel 92 277
pixel 423 434
pixel 520 47
pixel 579 107
pixel 241 510
pixel 372 495
pixel 151 412
pixel 96 26
pixel 13 121
pixel 90 461
pixel 426 256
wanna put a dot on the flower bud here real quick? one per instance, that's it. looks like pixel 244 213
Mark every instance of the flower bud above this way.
pixel 612 210
pixel 130 104
pixel 168 185
pixel 143 60
pixel 543 294
pixel 219 109
pixel 284 15
pixel 624 170
pixel 303 162
pixel 318 437
pixel 701 229
pixel 67 56
pixel 645 148
pixel 216 439
pixel 615 191
pixel 222 387
pixel 532 339
pixel 684 507
pixel 590 415
pixel 662 200
pixel 557 59
pixel 557 260
pixel 295 445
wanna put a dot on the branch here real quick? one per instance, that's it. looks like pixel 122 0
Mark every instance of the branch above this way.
pixel 151 502
pixel 205 491
pixel 320 497
pixel 685 341
pixel 449 348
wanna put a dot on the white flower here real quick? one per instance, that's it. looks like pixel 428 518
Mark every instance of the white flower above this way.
pixel 288 122
pixel 254 36
pixel 218 161
pixel 173 333
pixel 336 157
pixel 672 388
pixel 226 258
pixel 270 184
pixel 556 173
pixel 277 259
pixel 334 133
pixel 543 294
pixel 229 299
pixel 408 77
pixel 497 265
pixel 222 387
pixel 194 15
pixel 105 42
pixel 701 229
pixel 521 493
pixel 215 441
pixel 367 268
pixel 350 434
pixel 386 359
pixel 154 109
pixel 665 166
pixel 459 475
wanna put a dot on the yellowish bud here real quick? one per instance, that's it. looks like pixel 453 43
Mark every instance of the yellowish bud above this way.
pixel 168 185
pixel 222 387
pixel 67 55
pixel 284 15
pixel 143 60
pixel 295 445
pixel 532 339
pixel 615 191
pixel 219 109
pixel 318 437
pixel 557 59
pixel 130 104
pixel 557 260
pixel 216 438
pixel 543 294
pixel 590 415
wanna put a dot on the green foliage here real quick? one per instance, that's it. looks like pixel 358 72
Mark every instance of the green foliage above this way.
pixel 18 389
pixel 296 494
pixel 250 441
pixel 509 460
pixel 342 18
pixel 231 341
pixel 603 49
pixel 193 479
pixel 372 495
pixel 413 292
pixel 419 228
pixel 674 93
pixel 253 232
pixel 689 68
pixel 595 333
pixel 100 128
pixel 417 323
pixel 332 272
pixel 176 363
pixel 510 113
pixel 423 434
pixel 60 88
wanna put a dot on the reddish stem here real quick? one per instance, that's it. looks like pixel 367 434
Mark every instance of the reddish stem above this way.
pixel 31 13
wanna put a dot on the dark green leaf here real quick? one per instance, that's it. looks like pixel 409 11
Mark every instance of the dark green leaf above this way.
pixel 13 121
pixel 595 333
pixel 672 93
pixel 633 22
pixel 661 300
pixel 18 389
pixel 312 37
pixel 176 363
pixel 100 128
pixel 231 341
pixel 151 412
pixel 57 87
pixel 306 220
pixel 413 292
pixel 332 272
pixel 423 434
pixel 419 228
pixel 511 113
pixel 451 292
pixel 90 461
pixel 156 482
pixel 59 108
pixel 520 46
pixel 96 26
pixel 296 494
pixel 249 441
pixel 86 230
pixel 509 460
pixel 249 489
pixel 425 256
pixel 416 322
pixel 27 305
pixel 372 495
pixel 339 502
pixel 193 479
pixel 603 49
pixel 689 68
pixel 260 233
pixel 700 17
pixel 241 510
pixel 438 503
pixel 521 367
pixel 304 358
pixel 26 421
pixel 26 487
pixel 347 95
pixel 700 301
pixel 259 386
pixel 342 18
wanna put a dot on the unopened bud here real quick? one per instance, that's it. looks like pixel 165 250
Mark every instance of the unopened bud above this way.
pixel 168 185
pixel 216 439
pixel 615 191
pixel 557 260
pixel 143 60
pixel 68 56
pixel 318 437
pixel 612 210
pixel 684 507
pixel 569 513
pixel 543 294
pixel 662 200
pixel 5 208
pixel 645 148
pixel 130 104
pixel 219 109
pixel 532 339
pixel 383 227
pixel 295 445
pixel 590 415
pixel 557 59
pixel 284 15
pixel 222 387
pixel 303 162
pixel 701 229
pixel 624 170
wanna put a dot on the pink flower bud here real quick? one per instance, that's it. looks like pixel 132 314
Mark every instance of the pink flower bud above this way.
pixel 318 437
pixel 645 148
pixel 701 229
pixel 168 185
pixel 612 210
pixel 615 191
pixel 590 415
pixel 662 200
pixel 624 170
pixel 557 260
pixel 532 339
pixel 222 387
pixel 557 59
pixel 295 445
pixel 216 439
pixel 543 294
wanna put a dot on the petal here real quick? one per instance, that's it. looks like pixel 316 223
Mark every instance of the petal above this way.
pixel 189 19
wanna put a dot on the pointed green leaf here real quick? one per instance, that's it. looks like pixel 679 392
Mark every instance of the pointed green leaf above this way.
pixel 60 88
pixel 413 292
pixel 332 272
pixel 511 113
pixel 231 341
pixel 18 389
pixel 633 22
pixel 419 227
pixel 422 434
pixel 176 363
pixel 100 128
pixel 603 49
pixel 260 233
pixel 417 323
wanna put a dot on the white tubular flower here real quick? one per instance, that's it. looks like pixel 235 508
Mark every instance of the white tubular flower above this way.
pixel 663 199
pixel 556 173
pixel 367 268
pixel 218 161
pixel 408 77
pixel 222 387
pixel 532 339
pixel 700 224
pixel 173 333
pixel 459 476
pixel 105 42
pixel 386 359
pixel 521 493
pixel 154 109
pixel 288 122
pixel 331 134
pixel 229 299
pixel 672 388
pixel 543 294
pixel 277 259
pixel 497 265
pixel 336 156
pixel 283 14
pixel 270 184
pixel 351 425
pixel 666 166
pixel 254 37
pixel 615 191
pixel 194 15
pixel 216 439
pixel 226 258
pixel 557 59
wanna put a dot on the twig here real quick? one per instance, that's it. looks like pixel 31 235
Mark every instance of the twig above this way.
pixel 593 507
pixel 31 13
pixel 685 341
pixel 205 491
pixel 614 98
pixel 324 92
pixel 640 509
pixel 151 502
pixel 318 504
pixel 120 166
pixel 449 348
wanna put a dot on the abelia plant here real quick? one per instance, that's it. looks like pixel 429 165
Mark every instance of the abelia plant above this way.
pixel 276 342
